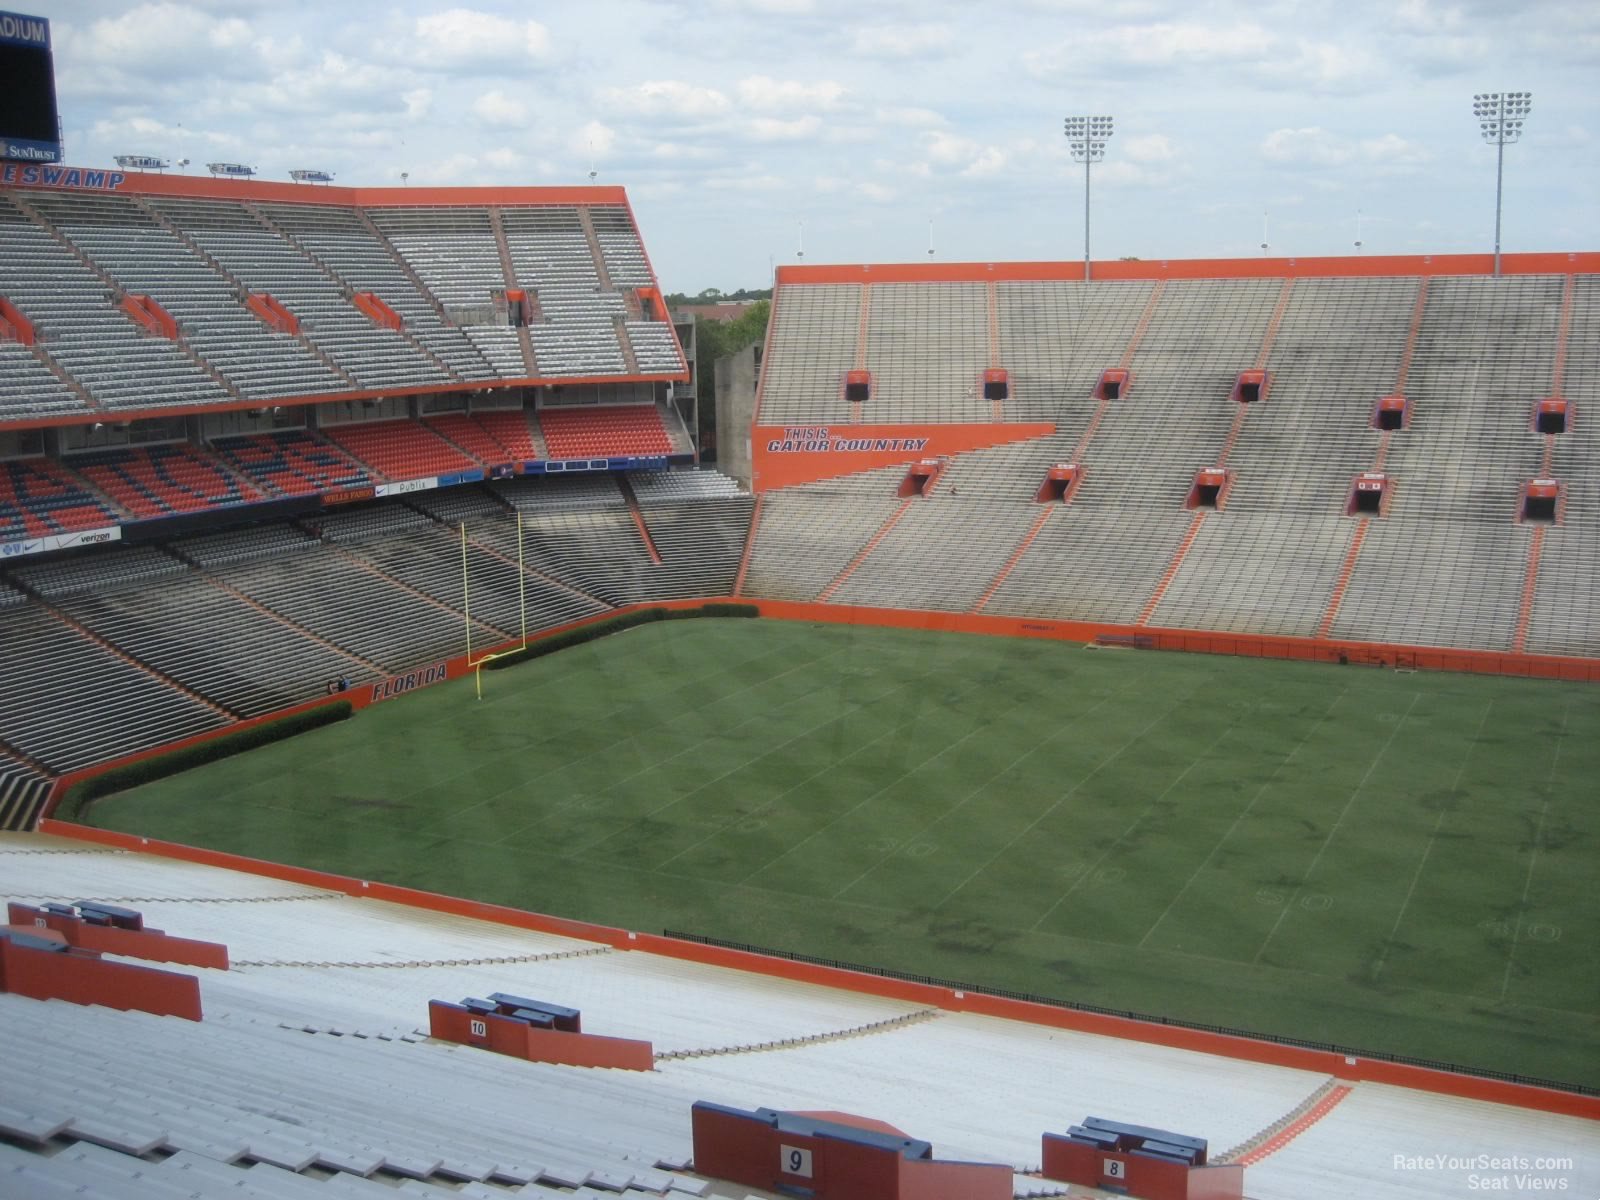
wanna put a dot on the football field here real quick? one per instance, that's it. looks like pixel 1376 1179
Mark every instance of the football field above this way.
pixel 1405 863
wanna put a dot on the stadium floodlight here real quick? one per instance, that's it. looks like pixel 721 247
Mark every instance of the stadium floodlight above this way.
pixel 307 175
pixel 1086 139
pixel 231 170
pixel 141 162
pixel 1500 116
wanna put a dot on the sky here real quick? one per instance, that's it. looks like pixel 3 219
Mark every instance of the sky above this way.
pixel 756 133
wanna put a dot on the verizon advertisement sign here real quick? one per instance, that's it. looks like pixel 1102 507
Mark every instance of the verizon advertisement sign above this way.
pixel 45 543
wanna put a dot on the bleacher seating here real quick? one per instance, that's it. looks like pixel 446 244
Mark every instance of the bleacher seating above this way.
pixel 358 254
pixel 291 462
pixel 78 323
pixel 144 257
pixel 113 567
pixel 23 791
pixel 400 449
pixel 68 258
pixel 493 436
pixel 310 1078
pixel 598 432
pixel 453 252
pixel 40 496
pixel 28 388
pixel 68 702
pixel 371 356
pixel 154 481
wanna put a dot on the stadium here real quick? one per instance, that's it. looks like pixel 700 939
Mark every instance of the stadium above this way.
pixel 1099 729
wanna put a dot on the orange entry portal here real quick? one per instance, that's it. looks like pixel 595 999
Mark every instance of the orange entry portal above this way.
pixel 1251 387
pixel 921 477
pixel 1541 501
pixel 1369 494
pixel 1113 384
pixel 1393 412
pixel 996 384
pixel 1552 416
pixel 1060 484
pixel 858 386
pixel 1210 488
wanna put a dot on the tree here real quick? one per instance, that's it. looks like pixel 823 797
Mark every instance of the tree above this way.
pixel 718 339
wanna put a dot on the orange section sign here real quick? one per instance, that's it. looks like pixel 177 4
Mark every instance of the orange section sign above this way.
pixel 785 455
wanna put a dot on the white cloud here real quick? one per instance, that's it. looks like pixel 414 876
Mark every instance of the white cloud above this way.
pixel 594 139
pixel 914 117
pixel 765 94
pixel 465 37
pixel 1313 146
pixel 748 183
pixel 882 193
pixel 1161 44
pixel 496 108
pixel 667 97
pixel 1310 146
pixel 773 129
pixel 418 102
pixel 903 41
pixel 1150 148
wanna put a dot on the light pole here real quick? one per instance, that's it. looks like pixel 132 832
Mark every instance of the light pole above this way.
pixel 1500 116
pixel 1086 138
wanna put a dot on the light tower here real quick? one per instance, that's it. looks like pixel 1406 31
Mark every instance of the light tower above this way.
pixel 1500 116
pixel 1086 138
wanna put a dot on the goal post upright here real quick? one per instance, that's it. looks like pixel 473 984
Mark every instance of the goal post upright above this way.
pixel 522 582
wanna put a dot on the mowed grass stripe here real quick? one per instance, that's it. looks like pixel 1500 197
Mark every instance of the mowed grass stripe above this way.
pixel 1125 829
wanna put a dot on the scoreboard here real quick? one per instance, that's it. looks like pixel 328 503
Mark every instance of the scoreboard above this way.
pixel 30 130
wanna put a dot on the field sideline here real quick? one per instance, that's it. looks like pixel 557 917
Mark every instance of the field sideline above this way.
pixel 1395 862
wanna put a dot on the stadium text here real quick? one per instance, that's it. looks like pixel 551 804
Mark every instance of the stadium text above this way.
pixel 66 177
pixel 30 30
pixel 399 685
pixel 822 441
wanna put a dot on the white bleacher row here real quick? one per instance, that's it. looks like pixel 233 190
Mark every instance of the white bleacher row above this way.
pixel 312 259
pixel 810 346
pixel 356 253
pixel 68 702
pixel 219 644
pixel 266 262
pixel 23 791
pixel 808 535
pixel 143 257
pixel 113 567
pixel 277 611
pixel 1564 617
pixel 240 545
pixel 620 246
pixel 1057 337
pixel 83 331
pixel 362 1098
pixel 1270 562
pixel 291 1099
pixel 549 250
pixel 927 348
pixel 28 388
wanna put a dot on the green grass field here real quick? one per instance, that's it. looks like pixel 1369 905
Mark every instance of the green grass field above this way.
pixel 1397 862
